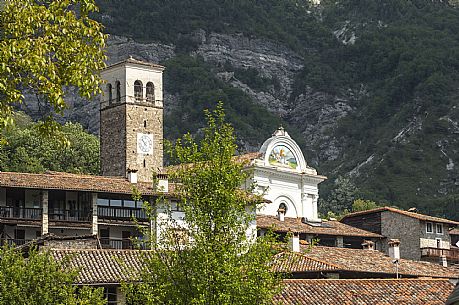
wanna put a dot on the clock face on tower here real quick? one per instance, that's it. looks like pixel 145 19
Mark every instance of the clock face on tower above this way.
pixel 144 143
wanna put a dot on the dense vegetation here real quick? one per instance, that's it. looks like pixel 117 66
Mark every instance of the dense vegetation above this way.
pixel 27 150
pixel 38 279
pixel 405 56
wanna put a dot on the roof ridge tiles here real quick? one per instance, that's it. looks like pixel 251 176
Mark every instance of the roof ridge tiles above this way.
pixel 402 212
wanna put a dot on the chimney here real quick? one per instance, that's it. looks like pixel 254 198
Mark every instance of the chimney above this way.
pixel 394 248
pixel 443 261
pixel 281 214
pixel 163 183
pixel 132 175
pixel 295 242
pixel 368 245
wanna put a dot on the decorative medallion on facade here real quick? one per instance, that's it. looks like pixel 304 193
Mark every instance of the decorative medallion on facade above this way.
pixel 281 155
pixel 282 152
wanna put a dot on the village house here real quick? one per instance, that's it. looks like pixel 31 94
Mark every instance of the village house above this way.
pixel 94 218
pixel 421 237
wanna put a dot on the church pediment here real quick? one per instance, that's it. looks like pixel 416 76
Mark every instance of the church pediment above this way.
pixel 282 152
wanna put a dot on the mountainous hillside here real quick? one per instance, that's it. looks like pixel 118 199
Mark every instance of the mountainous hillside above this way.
pixel 369 88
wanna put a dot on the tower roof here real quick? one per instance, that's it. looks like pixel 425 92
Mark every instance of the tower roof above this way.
pixel 134 61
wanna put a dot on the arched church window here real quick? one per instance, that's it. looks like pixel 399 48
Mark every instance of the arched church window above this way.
pixel 150 92
pixel 118 91
pixel 283 206
pixel 138 88
pixel 109 92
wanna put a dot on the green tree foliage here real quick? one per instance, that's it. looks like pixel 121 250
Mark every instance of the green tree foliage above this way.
pixel 363 205
pixel 45 46
pixel 26 150
pixel 40 280
pixel 341 197
pixel 199 88
pixel 214 258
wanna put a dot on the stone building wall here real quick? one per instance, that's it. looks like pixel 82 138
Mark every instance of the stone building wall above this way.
pixel 404 228
pixel 146 119
pixel 65 244
pixel 429 240
pixel 113 140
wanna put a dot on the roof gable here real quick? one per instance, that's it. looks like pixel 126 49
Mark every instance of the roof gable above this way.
pixel 402 212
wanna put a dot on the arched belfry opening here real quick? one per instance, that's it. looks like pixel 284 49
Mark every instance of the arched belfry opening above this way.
pixel 118 91
pixel 109 93
pixel 138 90
pixel 150 92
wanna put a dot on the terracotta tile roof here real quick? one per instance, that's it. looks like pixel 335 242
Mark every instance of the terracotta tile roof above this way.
pixel 335 228
pixel 370 291
pixel 74 182
pixel 104 266
pixel 370 261
pixel 292 262
pixel 243 159
pixel 406 213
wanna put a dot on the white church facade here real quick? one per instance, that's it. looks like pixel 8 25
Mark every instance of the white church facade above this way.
pixel 283 177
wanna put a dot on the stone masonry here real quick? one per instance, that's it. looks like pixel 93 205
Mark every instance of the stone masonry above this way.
pixel 125 116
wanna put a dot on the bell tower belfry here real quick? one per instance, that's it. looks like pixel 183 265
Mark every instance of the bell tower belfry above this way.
pixel 131 119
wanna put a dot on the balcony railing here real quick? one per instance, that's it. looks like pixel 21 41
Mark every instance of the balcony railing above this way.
pixel 121 243
pixel 451 254
pixel 121 213
pixel 14 242
pixel 69 215
pixel 20 213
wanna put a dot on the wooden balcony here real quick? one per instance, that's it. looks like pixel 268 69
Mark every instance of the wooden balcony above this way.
pixel 21 213
pixel 451 254
pixel 121 213
pixel 14 242
pixel 70 215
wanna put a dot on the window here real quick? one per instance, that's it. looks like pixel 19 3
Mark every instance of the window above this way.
pixel 110 295
pixel 439 228
pixel 138 90
pixel 150 92
pixel 109 93
pixel 283 206
pixel 118 92
pixel 103 202
pixel 429 227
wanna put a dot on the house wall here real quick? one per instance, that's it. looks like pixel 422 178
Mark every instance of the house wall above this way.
pixel 62 230
pixel 2 196
pixel 369 222
pixel 32 198
pixel 429 240
pixel 404 228
pixel 30 232
pixel 454 240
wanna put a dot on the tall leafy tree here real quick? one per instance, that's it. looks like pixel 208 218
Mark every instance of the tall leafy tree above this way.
pixel 40 280
pixel 213 256
pixel 26 150
pixel 341 197
pixel 44 47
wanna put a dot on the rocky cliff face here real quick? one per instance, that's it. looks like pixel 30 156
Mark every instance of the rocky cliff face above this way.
pixel 314 112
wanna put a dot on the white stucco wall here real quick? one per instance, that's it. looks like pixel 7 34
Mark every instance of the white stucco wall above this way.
pixel 294 185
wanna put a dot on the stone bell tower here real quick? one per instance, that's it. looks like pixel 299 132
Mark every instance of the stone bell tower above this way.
pixel 131 119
